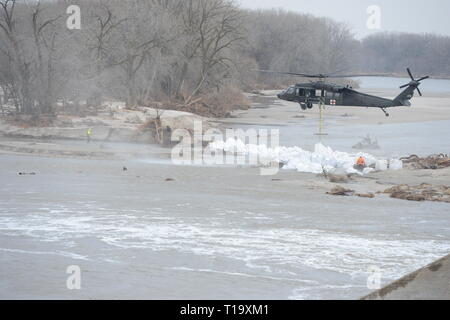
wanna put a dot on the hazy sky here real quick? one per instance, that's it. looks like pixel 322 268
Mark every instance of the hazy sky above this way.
pixel 415 16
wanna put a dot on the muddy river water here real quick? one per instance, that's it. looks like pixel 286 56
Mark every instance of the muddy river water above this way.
pixel 219 233
pixel 158 231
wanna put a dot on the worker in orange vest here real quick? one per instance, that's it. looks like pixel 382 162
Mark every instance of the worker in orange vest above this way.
pixel 360 164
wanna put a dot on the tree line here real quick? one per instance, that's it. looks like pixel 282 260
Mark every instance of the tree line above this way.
pixel 180 51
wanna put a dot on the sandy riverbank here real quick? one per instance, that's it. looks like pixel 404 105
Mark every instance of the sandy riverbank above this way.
pixel 112 123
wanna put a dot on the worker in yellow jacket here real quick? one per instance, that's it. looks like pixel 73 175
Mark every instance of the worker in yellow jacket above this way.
pixel 89 135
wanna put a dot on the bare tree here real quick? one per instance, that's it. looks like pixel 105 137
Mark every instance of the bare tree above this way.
pixel 15 53
pixel 212 28
pixel 136 38
pixel 45 35
pixel 29 39
pixel 182 53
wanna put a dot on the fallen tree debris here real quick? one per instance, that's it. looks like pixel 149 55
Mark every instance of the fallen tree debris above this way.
pixel 423 192
pixel 336 178
pixel 365 195
pixel 433 162
pixel 341 191
pixel 213 105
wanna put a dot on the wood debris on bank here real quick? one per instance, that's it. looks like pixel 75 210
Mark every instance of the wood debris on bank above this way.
pixel 423 192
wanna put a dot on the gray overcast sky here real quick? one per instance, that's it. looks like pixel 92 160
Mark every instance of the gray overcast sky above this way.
pixel 415 16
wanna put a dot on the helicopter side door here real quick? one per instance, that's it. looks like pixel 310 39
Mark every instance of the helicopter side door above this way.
pixel 306 93
pixel 301 92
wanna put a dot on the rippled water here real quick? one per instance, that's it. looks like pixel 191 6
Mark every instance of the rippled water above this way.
pixel 213 233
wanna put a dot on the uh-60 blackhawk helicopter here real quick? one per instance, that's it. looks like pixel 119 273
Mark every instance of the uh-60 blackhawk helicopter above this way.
pixel 316 92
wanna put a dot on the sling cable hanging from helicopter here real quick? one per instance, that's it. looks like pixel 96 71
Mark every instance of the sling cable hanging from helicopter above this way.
pixel 321 115
pixel 321 112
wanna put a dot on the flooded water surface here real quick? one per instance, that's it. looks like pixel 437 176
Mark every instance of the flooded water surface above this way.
pixel 212 233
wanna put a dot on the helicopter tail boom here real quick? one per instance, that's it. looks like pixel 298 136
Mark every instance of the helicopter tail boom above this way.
pixel 403 98
pixel 408 93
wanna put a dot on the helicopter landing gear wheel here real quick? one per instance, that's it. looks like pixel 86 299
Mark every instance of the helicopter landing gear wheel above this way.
pixel 309 105
pixel 303 106
pixel 384 110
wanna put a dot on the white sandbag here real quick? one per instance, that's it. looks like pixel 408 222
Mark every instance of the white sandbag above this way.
pixel 296 158
pixel 381 165
pixel 395 164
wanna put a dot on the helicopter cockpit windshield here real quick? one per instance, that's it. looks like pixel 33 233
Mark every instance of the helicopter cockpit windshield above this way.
pixel 288 91
pixel 287 94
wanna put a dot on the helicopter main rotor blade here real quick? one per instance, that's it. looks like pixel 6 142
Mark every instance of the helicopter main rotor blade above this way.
pixel 291 73
pixel 410 74
pixel 418 90
pixel 357 75
pixel 305 75
pixel 423 78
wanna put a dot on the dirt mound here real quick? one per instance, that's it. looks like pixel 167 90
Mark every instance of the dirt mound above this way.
pixel 432 162
pixel 423 192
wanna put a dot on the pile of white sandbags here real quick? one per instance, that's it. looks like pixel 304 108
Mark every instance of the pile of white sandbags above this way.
pixel 296 158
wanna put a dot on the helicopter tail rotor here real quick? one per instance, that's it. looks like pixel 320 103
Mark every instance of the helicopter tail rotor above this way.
pixel 414 83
